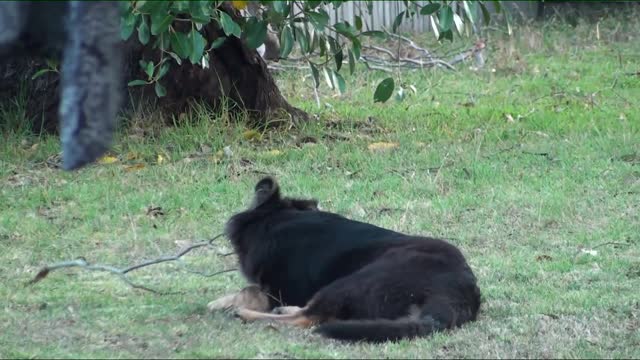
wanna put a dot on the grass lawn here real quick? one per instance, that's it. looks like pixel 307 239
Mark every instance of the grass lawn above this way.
pixel 533 170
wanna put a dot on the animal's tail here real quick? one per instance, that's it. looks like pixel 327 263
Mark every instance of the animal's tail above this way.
pixel 438 314
pixel 379 330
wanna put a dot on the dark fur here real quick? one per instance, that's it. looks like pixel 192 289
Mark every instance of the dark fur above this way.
pixel 357 280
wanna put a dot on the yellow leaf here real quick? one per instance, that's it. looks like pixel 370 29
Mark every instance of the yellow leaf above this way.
pixel 160 159
pixel 382 146
pixel 134 167
pixel 273 152
pixel 239 4
pixel 218 156
pixel 251 135
pixel 132 156
pixel 107 160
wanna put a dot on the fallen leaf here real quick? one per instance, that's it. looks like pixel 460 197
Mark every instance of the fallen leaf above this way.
pixel 132 156
pixel 509 118
pixel 543 257
pixel 382 146
pixel 251 135
pixel 155 211
pixel 108 160
pixel 160 159
pixel 218 156
pixel 227 151
pixel 630 158
pixel 134 167
pixel 273 152
pixel 205 149
pixel 307 140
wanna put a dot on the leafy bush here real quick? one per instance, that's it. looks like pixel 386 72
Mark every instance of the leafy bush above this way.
pixel 305 23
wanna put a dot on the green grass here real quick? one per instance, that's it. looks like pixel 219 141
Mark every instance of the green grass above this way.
pixel 546 209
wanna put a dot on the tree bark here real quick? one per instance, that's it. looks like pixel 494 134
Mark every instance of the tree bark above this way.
pixel 236 75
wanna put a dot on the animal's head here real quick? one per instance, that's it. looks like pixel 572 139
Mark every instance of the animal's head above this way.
pixel 267 196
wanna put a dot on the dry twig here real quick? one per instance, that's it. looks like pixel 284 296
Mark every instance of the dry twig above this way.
pixel 122 272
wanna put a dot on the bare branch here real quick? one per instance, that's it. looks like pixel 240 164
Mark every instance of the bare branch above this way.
pixel 411 43
pixel 122 273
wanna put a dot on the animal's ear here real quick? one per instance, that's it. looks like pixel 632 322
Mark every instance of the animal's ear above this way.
pixel 266 190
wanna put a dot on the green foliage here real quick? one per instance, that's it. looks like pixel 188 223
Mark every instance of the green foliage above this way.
pixel 324 45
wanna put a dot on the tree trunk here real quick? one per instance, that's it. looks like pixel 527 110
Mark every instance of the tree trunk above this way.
pixel 236 75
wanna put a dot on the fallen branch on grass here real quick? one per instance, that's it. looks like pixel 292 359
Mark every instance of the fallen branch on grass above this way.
pixel 389 60
pixel 122 273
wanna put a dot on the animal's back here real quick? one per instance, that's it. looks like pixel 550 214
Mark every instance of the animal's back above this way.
pixel 308 250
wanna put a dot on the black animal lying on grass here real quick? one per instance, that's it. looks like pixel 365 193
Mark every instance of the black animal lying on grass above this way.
pixel 88 35
pixel 354 280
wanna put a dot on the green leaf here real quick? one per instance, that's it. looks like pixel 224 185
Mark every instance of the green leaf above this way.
pixel 358 23
pixel 160 90
pixel 160 24
pixel 151 7
pixel 485 14
pixel 434 27
pixel 315 73
pixel 384 90
pixel 376 34
pixel 328 78
pixel 180 44
pixel 162 42
pixel 180 6
pixel 164 68
pixel 149 69
pixel 255 32
pixel 302 36
pixel 200 11
pixel 40 73
pixel 143 31
pixel 507 18
pixel 312 4
pixel 338 57
pixel 397 21
pixel 319 19
pixel 217 42
pixel 338 80
pixel 429 9
pixel 471 10
pixel 281 7
pixel 447 35
pixel 459 23
pixel 286 42
pixel 198 44
pixel 446 18
pixel 356 46
pixel 128 24
pixel 345 29
pixel 352 62
pixel 175 57
pixel 137 83
pixel 229 26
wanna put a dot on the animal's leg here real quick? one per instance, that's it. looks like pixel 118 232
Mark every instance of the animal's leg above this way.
pixel 283 310
pixel 224 303
pixel 250 297
pixel 298 318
